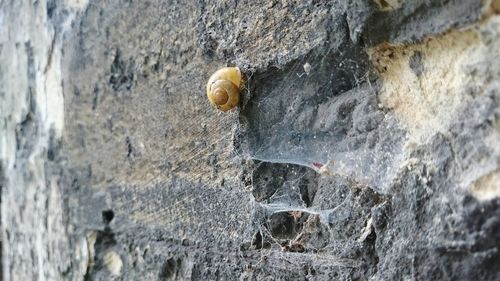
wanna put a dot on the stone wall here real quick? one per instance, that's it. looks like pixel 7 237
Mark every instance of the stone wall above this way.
pixel 366 145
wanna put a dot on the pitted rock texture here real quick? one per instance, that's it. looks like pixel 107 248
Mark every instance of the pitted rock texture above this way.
pixel 366 146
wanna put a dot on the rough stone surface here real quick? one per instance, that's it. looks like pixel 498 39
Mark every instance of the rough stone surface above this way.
pixel 36 243
pixel 366 147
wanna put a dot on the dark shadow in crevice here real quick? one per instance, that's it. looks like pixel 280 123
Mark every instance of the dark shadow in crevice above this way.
pixel 172 269
pixel 270 179
pixel 105 240
pixel 286 225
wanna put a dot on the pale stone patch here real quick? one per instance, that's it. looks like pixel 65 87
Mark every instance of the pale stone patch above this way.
pixel 486 187
pixel 113 262
pixel 51 98
pixel 388 5
pixel 77 4
pixel 427 102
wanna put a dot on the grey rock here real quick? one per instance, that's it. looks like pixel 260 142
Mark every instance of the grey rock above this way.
pixel 113 165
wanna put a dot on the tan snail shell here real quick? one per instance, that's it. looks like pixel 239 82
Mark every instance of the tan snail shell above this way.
pixel 223 88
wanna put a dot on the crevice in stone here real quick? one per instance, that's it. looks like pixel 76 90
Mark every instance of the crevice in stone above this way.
pixel 279 182
pixel 95 98
pixel 107 216
pixel 122 73
pixel 104 241
pixel 286 225
pixel 171 269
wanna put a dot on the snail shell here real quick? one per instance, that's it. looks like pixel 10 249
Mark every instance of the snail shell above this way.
pixel 223 88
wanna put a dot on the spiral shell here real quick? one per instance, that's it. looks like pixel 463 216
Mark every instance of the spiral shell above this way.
pixel 223 88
